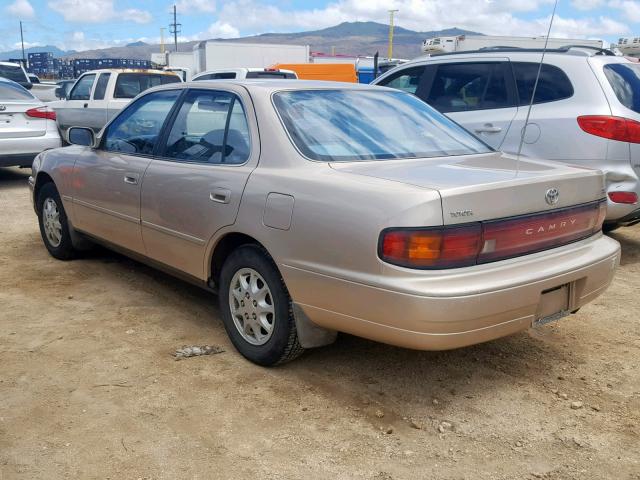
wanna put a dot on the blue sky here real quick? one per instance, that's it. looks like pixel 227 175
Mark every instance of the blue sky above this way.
pixel 83 24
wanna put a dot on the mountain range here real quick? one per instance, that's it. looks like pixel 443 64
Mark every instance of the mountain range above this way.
pixel 349 38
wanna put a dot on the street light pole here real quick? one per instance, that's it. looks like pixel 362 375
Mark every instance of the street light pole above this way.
pixel 24 60
pixel 390 51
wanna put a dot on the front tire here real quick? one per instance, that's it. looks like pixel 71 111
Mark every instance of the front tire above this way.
pixel 256 308
pixel 54 226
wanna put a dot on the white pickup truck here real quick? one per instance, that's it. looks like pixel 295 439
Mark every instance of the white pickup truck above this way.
pixel 99 94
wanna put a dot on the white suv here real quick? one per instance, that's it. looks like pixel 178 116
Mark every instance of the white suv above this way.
pixel 586 110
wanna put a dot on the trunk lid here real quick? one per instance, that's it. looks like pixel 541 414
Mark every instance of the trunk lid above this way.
pixel 15 123
pixel 490 186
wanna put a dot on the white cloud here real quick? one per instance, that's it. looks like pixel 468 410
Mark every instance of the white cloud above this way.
pixel 22 9
pixel 629 9
pixel 222 30
pixel 587 4
pixel 97 11
pixel 196 6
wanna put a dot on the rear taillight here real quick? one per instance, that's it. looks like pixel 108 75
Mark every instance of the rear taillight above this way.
pixel 613 128
pixel 41 112
pixel 471 244
pixel 630 198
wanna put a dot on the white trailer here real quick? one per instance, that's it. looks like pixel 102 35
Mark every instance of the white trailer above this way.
pixel 214 55
pixel 476 42
pixel 628 46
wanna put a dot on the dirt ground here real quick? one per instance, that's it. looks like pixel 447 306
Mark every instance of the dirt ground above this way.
pixel 89 389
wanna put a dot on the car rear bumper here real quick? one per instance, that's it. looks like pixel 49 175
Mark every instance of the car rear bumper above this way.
pixel 470 306
pixel 21 151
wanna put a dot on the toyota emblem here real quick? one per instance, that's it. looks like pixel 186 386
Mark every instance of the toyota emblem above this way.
pixel 3 108
pixel 552 196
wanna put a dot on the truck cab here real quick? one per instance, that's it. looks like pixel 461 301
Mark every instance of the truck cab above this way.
pixel 99 94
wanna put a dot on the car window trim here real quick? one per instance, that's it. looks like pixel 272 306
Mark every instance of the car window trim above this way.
pixel 103 138
pixel 161 145
pixel 77 82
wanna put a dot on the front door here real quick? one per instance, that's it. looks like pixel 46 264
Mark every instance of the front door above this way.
pixel 72 112
pixel 107 180
pixel 196 185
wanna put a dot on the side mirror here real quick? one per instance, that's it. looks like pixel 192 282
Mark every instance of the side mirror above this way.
pixel 27 85
pixel 60 93
pixel 81 136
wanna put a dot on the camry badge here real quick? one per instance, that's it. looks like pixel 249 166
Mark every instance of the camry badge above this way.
pixel 3 108
pixel 552 196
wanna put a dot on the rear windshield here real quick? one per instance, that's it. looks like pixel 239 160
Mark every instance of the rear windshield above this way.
pixel 270 75
pixel 13 91
pixel 129 85
pixel 12 72
pixel 625 81
pixel 348 125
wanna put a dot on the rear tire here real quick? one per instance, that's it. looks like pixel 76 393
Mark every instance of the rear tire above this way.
pixel 256 308
pixel 54 226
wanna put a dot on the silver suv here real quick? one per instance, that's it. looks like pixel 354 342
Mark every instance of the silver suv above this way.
pixel 586 110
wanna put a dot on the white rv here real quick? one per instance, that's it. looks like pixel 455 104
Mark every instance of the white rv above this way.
pixel 476 42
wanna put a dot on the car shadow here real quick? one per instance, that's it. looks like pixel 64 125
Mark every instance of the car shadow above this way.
pixel 13 177
pixel 630 246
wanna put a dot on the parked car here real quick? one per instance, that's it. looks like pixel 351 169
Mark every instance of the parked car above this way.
pixel 16 73
pixel 316 207
pixel 586 111
pixel 244 73
pixel 63 88
pixel 44 91
pixel 98 95
pixel 27 126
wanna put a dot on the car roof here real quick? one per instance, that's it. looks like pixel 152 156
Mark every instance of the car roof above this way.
pixel 277 84
pixel 11 64
pixel 130 70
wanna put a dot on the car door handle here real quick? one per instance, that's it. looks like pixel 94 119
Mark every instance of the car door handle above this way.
pixel 131 179
pixel 220 195
pixel 488 128
pixel 86 105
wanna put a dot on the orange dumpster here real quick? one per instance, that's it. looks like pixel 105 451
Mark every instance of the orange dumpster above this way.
pixel 337 72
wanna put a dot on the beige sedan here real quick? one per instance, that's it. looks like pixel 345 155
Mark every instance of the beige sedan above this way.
pixel 313 208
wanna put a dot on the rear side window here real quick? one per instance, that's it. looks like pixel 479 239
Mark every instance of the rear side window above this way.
pixel 210 127
pixel 82 89
pixel 270 75
pixel 101 86
pixel 13 91
pixel 553 84
pixel 217 76
pixel 406 80
pixel 625 81
pixel 12 72
pixel 129 85
pixel 465 87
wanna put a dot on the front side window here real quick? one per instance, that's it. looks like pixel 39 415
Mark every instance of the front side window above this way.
pixel 406 80
pixel 12 72
pixel 211 127
pixel 625 81
pixel 462 87
pixel 129 85
pixel 101 86
pixel 553 84
pixel 349 125
pixel 136 129
pixel 82 88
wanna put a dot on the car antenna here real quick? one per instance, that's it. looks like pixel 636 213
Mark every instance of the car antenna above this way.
pixel 535 88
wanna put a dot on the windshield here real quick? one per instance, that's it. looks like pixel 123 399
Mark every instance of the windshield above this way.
pixel 625 81
pixel 13 91
pixel 13 72
pixel 129 85
pixel 347 125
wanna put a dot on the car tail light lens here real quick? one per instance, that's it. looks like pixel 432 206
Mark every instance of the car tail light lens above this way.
pixel 41 112
pixel 471 244
pixel 613 128
pixel 630 198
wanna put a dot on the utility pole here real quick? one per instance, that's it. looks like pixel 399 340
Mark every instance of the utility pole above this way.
pixel 24 60
pixel 175 28
pixel 390 51
pixel 162 29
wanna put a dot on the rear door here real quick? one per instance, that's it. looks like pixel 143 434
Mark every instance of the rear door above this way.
pixel 478 94
pixel 195 187
pixel 73 111
pixel 14 123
